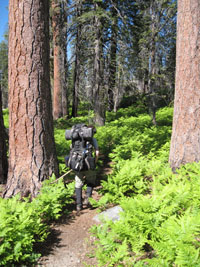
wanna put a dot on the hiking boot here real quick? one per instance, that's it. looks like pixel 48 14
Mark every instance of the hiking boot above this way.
pixel 86 201
pixel 78 209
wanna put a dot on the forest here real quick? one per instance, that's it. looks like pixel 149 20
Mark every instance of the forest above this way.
pixel 131 68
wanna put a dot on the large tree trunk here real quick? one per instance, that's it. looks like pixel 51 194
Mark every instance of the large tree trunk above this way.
pixel 3 156
pixel 32 155
pixel 59 92
pixel 98 92
pixel 185 141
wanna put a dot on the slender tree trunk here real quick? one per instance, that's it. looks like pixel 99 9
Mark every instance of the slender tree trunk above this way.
pixel 77 64
pixel 64 82
pixel 113 60
pixel 32 155
pixel 185 141
pixel 76 75
pixel 65 109
pixel 58 59
pixel 99 105
pixel 152 63
pixel 151 85
pixel 3 156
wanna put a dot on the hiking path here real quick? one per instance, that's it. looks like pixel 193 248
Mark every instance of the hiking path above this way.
pixel 70 243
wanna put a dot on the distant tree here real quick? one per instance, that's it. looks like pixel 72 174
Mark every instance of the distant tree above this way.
pixel 155 47
pixel 77 61
pixel 59 17
pixel 65 65
pixel 4 69
pixel 185 141
pixel 122 48
pixel 98 90
pixel 113 55
pixel 32 154
pixel 3 150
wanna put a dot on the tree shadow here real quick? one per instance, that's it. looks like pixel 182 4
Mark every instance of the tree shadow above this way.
pixel 53 240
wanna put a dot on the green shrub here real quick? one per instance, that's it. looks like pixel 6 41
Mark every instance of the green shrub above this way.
pixel 153 199
pixel 5 117
pixel 122 137
pixel 23 223
pixel 160 228
pixel 19 225
pixel 160 222
pixel 133 110
pixel 62 145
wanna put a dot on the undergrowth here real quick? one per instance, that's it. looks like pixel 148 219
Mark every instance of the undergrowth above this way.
pixel 158 228
pixel 159 225
pixel 160 222
pixel 23 223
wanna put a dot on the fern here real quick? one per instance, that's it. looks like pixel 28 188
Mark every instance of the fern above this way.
pixel 164 224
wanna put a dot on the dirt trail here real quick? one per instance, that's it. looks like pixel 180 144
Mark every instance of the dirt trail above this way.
pixel 69 244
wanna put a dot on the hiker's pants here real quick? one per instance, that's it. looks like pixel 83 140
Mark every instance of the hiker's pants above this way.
pixel 88 177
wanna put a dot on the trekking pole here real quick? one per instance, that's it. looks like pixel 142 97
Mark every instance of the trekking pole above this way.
pixel 61 177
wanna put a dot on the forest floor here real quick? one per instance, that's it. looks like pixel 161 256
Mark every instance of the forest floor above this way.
pixel 70 243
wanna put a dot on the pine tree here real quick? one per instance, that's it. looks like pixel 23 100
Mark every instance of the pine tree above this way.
pixel 113 56
pixel 98 90
pixel 133 43
pixel 59 47
pixel 3 149
pixel 32 155
pixel 185 144
pixel 77 62
pixel 4 70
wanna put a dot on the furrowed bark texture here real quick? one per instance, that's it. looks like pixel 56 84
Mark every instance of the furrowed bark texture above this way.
pixel 98 91
pixel 76 75
pixel 77 62
pixel 32 155
pixel 59 41
pixel 113 61
pixel 57 92
pixel 185 142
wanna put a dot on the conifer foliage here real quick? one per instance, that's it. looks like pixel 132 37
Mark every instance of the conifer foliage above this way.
pixel 122 48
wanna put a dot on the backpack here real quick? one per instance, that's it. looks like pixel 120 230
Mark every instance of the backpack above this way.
pixel 80 158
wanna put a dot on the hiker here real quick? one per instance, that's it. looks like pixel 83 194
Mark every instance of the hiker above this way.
pixel 83 157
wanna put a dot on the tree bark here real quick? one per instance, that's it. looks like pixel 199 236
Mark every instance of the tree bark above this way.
pixel 32 154
pixel 65 106
pixel 152 62
pixel 98 94
pixel 113 59
pixel 76 75
pixel 57 86
pixel 185 141
pixel 3 149
pixel 77 62
pixel 59 92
